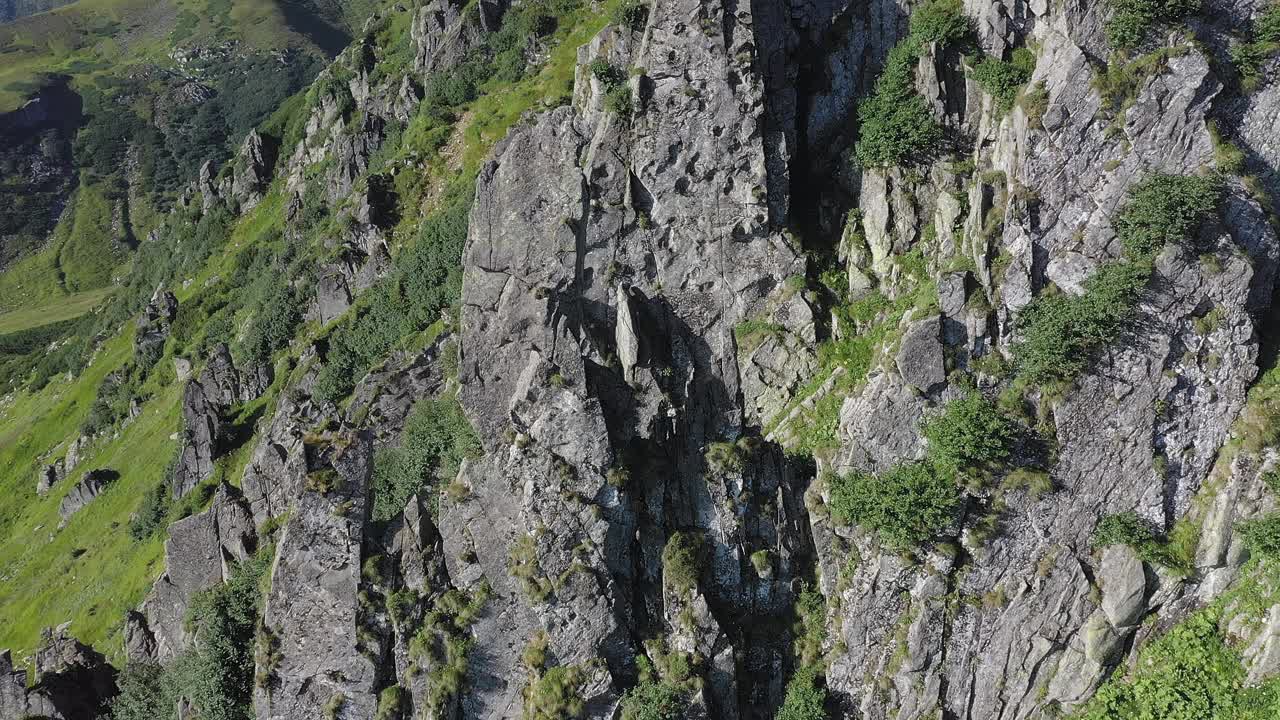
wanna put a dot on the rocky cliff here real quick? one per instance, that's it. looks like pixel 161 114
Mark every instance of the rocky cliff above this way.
pixel 810 359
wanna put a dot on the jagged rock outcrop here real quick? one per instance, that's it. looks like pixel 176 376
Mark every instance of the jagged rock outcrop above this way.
pixel 603 202
pixel 154 322
pixel 200 553
pixel 46 478
pixel 1125 434
pixel 72 682
pixel 252 170
pixel 204 400
pixel 84 492
pixel 313 610
pixel 201 432
pixel 636 332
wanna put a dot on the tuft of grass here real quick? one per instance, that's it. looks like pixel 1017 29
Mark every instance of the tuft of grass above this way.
pixel 1131 20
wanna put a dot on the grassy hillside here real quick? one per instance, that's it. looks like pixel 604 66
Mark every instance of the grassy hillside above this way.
pixel 93 38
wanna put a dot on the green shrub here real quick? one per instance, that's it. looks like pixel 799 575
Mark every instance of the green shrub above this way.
pixel 805 699
pixel 426 282
pixel 762 561
pixel 1128 528
pixel 939 21
pixel 654 700
pixel 392 703
pixel 1165 209
pixel 633 14
pixel 971 436
pixel 217 675
pixel 896 127
pixel 618 101
pixel 276 319
pixel 607 73
pixel 1125 528
pixel 436 439
pixel 555 695
pixel 906 505
pixel 144 693
pixel 1004 79
pixel 810 626
pixel 1132 19
pixel 682 561
pixel 1266 29
pixel 153 512
pixel 1262 536
pixel 1061 333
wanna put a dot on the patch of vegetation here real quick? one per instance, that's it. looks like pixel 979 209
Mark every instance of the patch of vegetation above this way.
pixel 970 437
pixel 896 127
pixel 144 693
pixel 805 698
pixel 1131 20
pixel 152 514
pixel 1061 333
pixel 633 14
pixel 216 675
pixel 1003 79
pixel 1128 528
pixel 522 564
pixel 1121 80
pixel 666 680
pixel 906 505
pixel 426 282
pixel 1188 674
pixel 1165 209
pixel 762 561
pixel 443 643
pixel 682 560
pixel 810 626
pixel 654 701
pixel 436 439
pixel 726 457
pixel 912 502
pixel 873 322
pixel 555 694
pixel 751 334
pixel 1262 536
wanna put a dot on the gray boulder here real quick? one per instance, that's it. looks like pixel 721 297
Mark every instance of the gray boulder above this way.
pixel 94 482
pixel 72 682
pixel 1124 586
pixel 920 358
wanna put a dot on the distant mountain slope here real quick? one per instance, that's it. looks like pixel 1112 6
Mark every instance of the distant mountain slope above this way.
pixel 106 104
pixel 13 9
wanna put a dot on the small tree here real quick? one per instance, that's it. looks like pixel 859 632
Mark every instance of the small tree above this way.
pixel 805 699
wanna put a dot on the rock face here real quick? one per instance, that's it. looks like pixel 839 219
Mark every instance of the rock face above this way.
pixel 154 322
pixel 313 610
pixel 72 682
pixel 204 401
pixel 604 202
pixel 200 553
pixel 642 347
pixel 253 170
